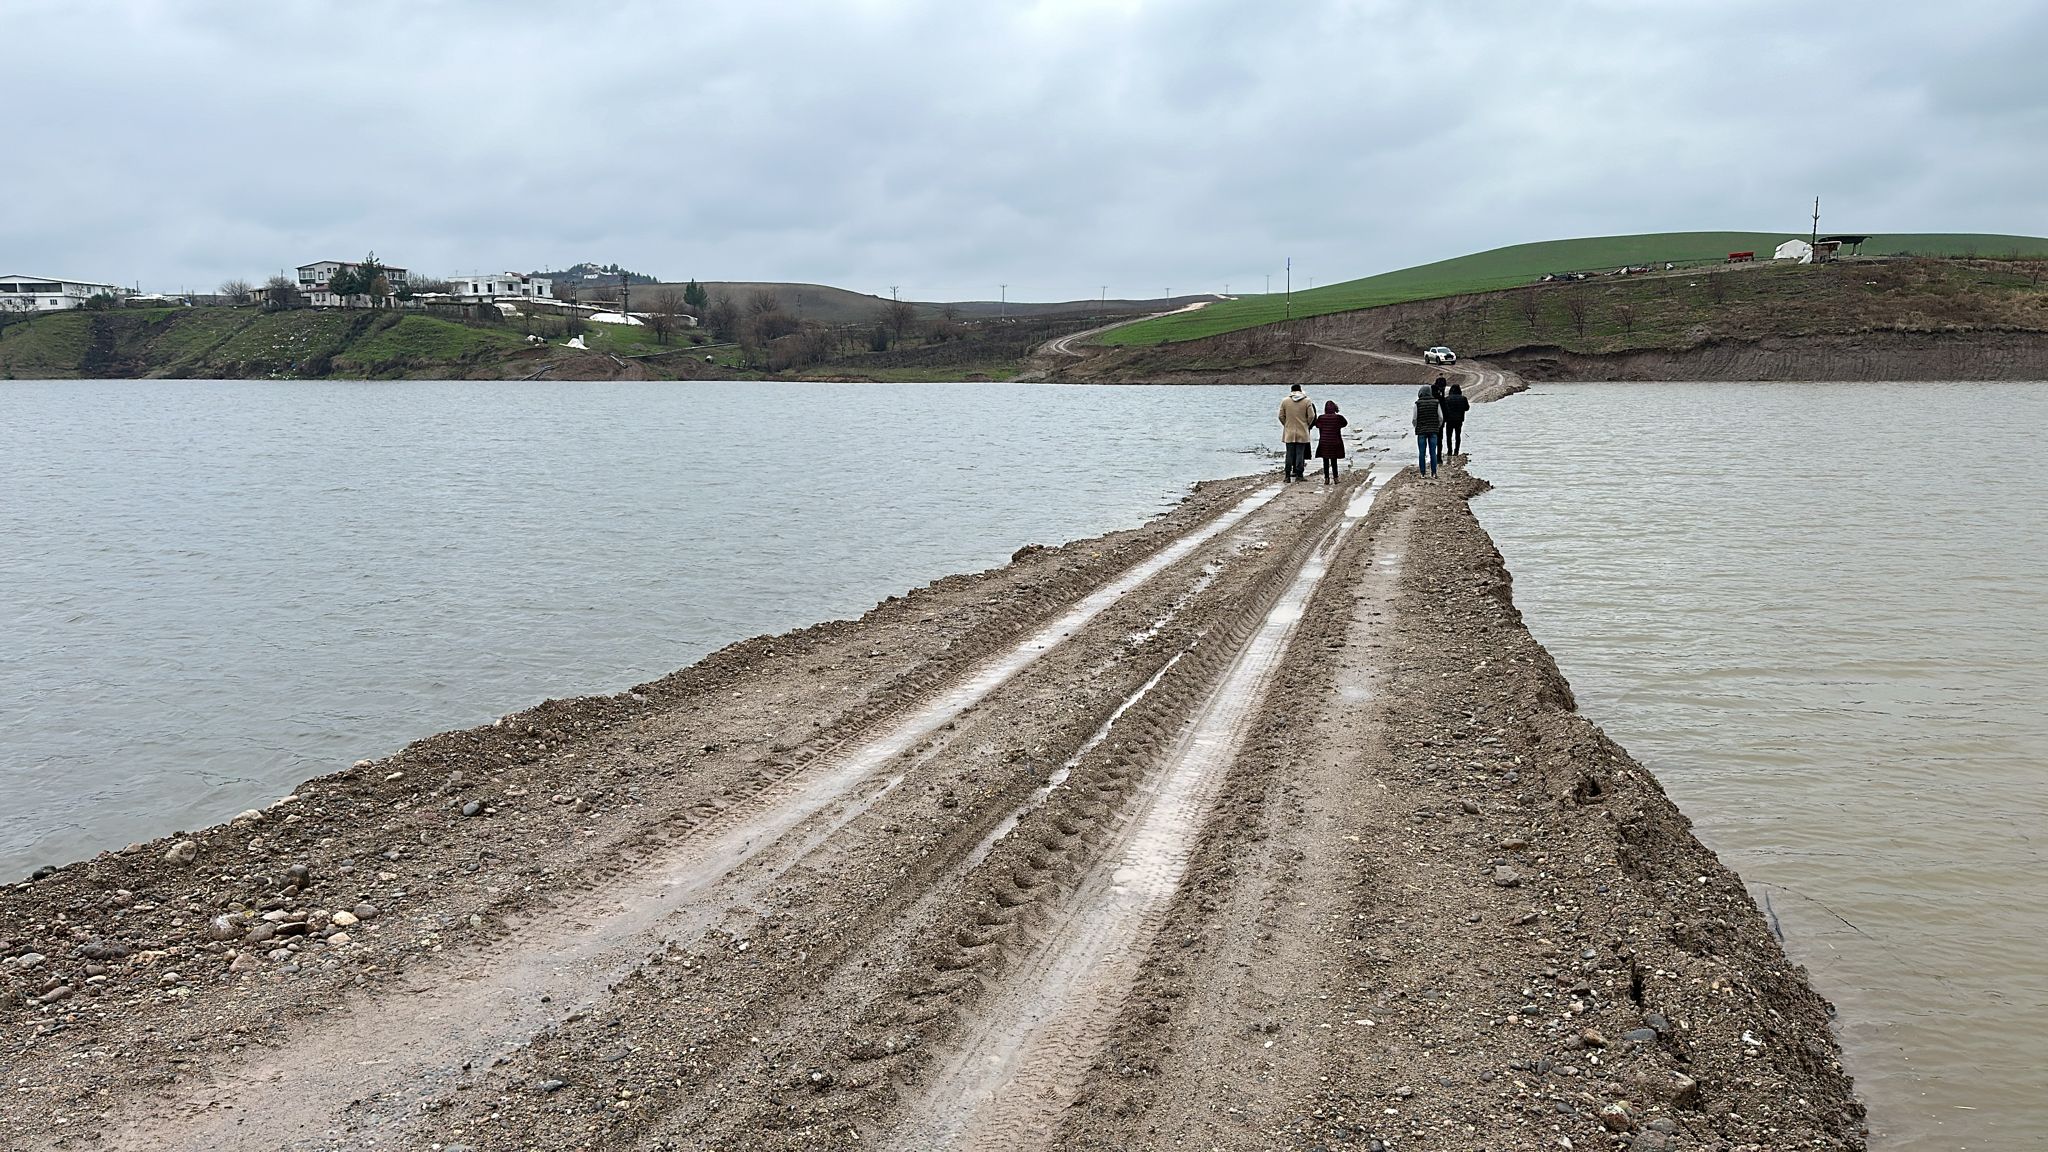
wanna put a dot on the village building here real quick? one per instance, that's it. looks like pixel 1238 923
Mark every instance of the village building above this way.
pixel 314 278
pixel 504 286
pixel 23 293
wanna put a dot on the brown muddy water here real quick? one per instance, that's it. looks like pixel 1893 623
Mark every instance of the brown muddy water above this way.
pixel 1820 614
pixel 213 590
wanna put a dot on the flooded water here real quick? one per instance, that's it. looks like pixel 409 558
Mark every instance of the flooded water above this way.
pixel 214 590
pixel 1820 614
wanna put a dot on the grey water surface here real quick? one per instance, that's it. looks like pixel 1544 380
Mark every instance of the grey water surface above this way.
pixel 1819 613
pixel 213 590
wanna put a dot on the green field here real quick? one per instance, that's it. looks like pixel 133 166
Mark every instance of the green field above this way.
pixel 245 343
pixel 1523 264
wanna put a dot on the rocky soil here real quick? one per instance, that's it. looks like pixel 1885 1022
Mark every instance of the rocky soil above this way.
pixel 1266 825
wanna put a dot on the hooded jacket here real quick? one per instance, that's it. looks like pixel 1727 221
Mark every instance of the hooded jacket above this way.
pixel 1297 412
pixel 1454 408
pixel 1429 419
pixel 1330 433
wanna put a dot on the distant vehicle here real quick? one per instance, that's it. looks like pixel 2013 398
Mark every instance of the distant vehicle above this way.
pixel 1564 277
pixel 1439 355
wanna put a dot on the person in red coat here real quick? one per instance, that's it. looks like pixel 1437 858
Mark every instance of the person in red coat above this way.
pixel 1330 440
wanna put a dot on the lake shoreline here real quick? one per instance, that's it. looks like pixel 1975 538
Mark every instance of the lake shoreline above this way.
pixel 1526 908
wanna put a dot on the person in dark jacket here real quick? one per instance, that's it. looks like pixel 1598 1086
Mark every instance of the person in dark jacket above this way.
pixel 1428 423
pixel 1330 440
pixel 1440 389
pixel 1454 407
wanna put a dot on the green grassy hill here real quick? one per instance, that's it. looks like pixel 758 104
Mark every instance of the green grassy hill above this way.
pixel 244 343
pixel 1524 263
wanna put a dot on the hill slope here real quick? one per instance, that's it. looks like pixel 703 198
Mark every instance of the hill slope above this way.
pixel 829 305
pixel 1523 263
pixel 230 343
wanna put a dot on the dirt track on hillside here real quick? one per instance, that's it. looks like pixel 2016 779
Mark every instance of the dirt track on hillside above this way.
pixel 1266 825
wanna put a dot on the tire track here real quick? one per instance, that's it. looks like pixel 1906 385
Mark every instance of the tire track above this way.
pixel 1031 1042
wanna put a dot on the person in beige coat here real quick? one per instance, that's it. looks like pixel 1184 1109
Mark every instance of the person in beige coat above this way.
pixel 1297 416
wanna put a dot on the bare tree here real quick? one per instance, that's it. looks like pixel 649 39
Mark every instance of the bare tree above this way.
pixel 900 315
pixel 1717 288
pixel 1625 314
pixel 280 293
pixel 762 301
pixel 1578 308
pixel 665 314
pixel 1531 309
pixel 235 292
pixel 723 317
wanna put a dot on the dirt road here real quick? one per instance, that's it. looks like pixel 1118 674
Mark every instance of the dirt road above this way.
pixel 1066 345
pixel 1265 825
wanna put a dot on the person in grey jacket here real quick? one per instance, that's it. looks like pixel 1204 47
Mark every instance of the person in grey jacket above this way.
pixel 1429 421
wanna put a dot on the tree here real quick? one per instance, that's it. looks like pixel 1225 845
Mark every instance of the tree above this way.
pixel 345 283
pixel 235 292
pixel 1625 313
pixel 428 285
pixel 280 293
pixel 878 340
pixel 1577 307
pixel 665 314
pixel 1531 309
pixel 762 301
pixel 900 315
pixel 695 297
pixel 723 317
pixel 1717 288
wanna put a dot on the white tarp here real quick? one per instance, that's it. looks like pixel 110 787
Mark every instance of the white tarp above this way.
pixel 1798 250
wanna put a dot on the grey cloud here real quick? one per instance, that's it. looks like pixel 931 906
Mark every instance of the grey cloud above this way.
pixel 946 147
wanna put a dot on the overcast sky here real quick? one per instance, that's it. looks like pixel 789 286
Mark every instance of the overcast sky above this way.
pixel 947 146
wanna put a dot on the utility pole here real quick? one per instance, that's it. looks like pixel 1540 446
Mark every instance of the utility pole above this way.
pixel 625 293
pixel 1816 222
pixel 1003 308
pixel 1269 283
pixel 1103 305
pixel 1290 288
pixel 892 291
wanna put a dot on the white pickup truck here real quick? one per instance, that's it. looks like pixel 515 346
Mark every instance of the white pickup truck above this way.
pixel 1439 355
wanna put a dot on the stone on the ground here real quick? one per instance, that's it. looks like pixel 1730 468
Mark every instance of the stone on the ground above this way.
pixel 183 852
pixel 1506 877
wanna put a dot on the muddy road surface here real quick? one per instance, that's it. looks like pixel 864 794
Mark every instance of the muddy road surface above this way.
pixel 1266 825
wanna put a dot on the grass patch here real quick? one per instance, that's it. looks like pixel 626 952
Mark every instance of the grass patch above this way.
pixel 49 346
pixel 297 343
pixel 1521 264
pixel 421 341
pixel 1685 311
pixel 185 336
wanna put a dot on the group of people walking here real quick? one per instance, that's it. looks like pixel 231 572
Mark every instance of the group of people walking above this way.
pixel 1439 424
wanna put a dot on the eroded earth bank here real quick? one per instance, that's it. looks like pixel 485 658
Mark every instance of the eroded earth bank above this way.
pixel 1266 825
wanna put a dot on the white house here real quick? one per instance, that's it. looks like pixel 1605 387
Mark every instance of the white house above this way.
pixel 22 293
pixel 506 286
